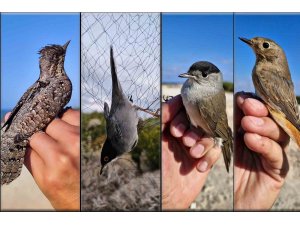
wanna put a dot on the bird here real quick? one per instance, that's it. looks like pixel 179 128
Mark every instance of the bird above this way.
pixel 38 106
pixel 273 84
pixel 204 100
pixel 121 122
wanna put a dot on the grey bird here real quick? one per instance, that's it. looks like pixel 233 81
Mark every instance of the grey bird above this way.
pixel 204 100
pixel 121 122
pixel 38 106
pixel 273 84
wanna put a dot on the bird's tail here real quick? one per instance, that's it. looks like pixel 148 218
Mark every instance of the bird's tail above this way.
pixel 116 86
pixel 286 125
pixel 227 152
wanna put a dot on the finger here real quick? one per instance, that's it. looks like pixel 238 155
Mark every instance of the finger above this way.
pixel 209 159
pixel 190 137
pixel 34 163
pixel 7 116
pixel 179 124
pixel 254 107
pixel 202 147
pixel 43 145
pixel 239 99
pixel 59 129
pixel 171 108
pixel 264 126
pixel 72 117
pixel 265 146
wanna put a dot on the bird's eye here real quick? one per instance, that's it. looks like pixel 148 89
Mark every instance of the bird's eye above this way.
pixel 106 158
pixel 266 45
pixel 204 74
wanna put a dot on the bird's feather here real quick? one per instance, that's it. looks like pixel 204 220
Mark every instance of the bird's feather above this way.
pixel 213 111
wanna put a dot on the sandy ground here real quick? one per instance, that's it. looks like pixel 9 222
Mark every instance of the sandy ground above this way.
pixel 120 188
pixel 289 198
pixel 217 193
pixel 23 194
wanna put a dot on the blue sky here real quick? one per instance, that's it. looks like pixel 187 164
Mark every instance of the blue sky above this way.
pixel 188 38
pixel 23 35
pixel 283 29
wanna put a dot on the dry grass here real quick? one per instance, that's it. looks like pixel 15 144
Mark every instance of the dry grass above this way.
pixel 121 187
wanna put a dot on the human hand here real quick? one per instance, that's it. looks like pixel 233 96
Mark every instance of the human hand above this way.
pixel 187 157
pixel 53 159
pixel 261 168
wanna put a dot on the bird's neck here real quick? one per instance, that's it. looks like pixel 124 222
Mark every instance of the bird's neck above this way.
pixel 278 64
pixel 50 69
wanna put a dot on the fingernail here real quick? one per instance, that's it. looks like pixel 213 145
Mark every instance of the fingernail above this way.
pixel 202 166
pixel 197 150
pixel 257 121
pixel 179 129
pixel 240 99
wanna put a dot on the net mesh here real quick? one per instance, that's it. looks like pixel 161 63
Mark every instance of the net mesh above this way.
pixel 135 38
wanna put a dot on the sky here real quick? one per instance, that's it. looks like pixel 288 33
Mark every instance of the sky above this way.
pixel 23 35
pixel 188 38
pixel 283 29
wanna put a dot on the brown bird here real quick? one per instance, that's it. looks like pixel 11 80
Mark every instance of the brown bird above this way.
pixel 38 106
pixel 273 84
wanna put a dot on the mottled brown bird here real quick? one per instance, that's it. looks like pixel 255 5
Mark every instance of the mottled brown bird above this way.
pixel 273 84
pixel 39 105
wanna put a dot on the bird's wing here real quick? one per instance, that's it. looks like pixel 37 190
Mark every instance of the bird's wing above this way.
pixel 27 95
pixel 113 128
pixel 106 110
pixel 213 111
pixel 278 93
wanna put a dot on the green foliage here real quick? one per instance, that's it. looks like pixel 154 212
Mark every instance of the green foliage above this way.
pixel 298 99
pixel 149 144
pixel 92 132
pixel 228 86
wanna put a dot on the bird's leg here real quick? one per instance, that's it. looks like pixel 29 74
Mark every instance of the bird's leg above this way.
pixel 167 97
pixel 130 98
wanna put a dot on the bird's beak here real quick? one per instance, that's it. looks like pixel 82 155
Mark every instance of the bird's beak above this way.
pixel 247 41
pixel 101 170
pixel 185 75
pixel 66 45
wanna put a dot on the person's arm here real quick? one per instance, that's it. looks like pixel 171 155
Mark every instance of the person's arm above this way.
pixel 187 157
pixel 260 155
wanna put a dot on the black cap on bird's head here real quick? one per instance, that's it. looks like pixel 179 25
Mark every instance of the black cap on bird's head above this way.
pixel 54 53
pixel 108 154
pixel 200 70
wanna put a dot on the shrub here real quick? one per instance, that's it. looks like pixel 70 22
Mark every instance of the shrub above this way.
pixel 228 86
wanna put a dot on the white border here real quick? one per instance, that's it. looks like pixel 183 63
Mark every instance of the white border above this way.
pixel 221 218
pixel 149 6
pixel 146 218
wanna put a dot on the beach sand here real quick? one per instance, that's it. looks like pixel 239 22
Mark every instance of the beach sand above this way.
pixel 23 194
